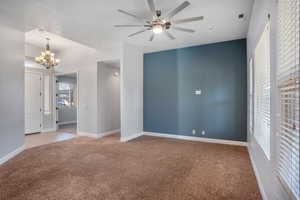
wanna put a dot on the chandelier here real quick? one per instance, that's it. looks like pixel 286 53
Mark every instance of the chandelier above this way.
pixel 47 58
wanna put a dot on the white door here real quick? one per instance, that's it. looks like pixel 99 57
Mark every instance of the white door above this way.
pixel 32 102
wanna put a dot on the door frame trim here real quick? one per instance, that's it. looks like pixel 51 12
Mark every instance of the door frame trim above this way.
pixel 41 100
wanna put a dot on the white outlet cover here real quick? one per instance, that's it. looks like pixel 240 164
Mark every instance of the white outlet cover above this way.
pixel 203 132
pixel 198 92
pixel 194 131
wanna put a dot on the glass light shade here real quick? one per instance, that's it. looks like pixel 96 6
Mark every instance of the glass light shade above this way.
pixel 157 29
pixel 47 58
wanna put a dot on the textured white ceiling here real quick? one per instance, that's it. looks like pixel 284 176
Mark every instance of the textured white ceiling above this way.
pixel 57 43
pixel 91 22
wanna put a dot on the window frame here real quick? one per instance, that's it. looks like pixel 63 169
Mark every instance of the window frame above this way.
pixel 266 150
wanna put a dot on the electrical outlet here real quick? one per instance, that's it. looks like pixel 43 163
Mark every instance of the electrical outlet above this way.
pixel 203 132
pixel 194 132
pixel 198 92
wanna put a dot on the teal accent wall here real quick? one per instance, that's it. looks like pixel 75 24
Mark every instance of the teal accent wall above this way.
pixel 171 77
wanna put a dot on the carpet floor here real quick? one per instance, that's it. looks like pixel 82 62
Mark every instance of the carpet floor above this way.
pixel 147 168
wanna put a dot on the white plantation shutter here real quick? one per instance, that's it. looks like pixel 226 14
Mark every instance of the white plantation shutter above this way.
pixel 251 96
pixel 262 91
pixel 288 82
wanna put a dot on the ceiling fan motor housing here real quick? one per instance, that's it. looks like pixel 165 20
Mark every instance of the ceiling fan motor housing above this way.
pixel 159 22
pixel 168 25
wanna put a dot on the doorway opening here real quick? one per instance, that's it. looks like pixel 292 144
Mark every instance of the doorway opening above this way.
pixel 67 102
pixel 109 114
pixel 40 96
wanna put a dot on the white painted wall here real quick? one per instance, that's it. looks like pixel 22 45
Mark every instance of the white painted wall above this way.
pixel 131 92
pixel 108 98
pixel 31 50
pixel 82 59
pixel 11 88
pixel 266 169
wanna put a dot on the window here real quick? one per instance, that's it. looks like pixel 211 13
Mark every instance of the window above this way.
pixel 64 86
pixel 66 94
pixel 288 83
pixel 262 91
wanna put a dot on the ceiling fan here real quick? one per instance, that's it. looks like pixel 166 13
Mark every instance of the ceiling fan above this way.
pixel 161 24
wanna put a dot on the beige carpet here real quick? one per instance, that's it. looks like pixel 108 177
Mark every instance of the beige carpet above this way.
pixel 145 168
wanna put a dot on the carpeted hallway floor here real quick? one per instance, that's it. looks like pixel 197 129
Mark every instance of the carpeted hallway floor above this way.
pixel 143 169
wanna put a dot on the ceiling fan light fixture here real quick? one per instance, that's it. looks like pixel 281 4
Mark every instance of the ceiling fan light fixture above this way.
pixel 159 24
pixel 157 29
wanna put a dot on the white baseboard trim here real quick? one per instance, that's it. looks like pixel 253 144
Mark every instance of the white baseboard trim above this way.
pixel 126 139
pixel 199 139
pixel 85 134
pixel 259 182
pixel 11 155
pixel 65 123
pixel 49 130
pixel 109 133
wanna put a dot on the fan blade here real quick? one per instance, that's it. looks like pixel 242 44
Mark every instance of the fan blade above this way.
pixel 141 31
pixel 131 15
pixel 152 37
pixel 170 35
pixel 151 7
pixel 192 19
pixel 120 26
pixel 178 9
pixel 183 29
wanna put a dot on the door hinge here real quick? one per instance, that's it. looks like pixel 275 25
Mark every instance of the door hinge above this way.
pixel 41 125
pixel 40 94
pixel 57 122
pixel 57 108
pixel 56 81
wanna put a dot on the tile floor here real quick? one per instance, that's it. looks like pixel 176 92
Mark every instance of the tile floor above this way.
pixel 38 139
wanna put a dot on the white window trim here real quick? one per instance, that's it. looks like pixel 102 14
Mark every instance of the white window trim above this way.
pixel 258 109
